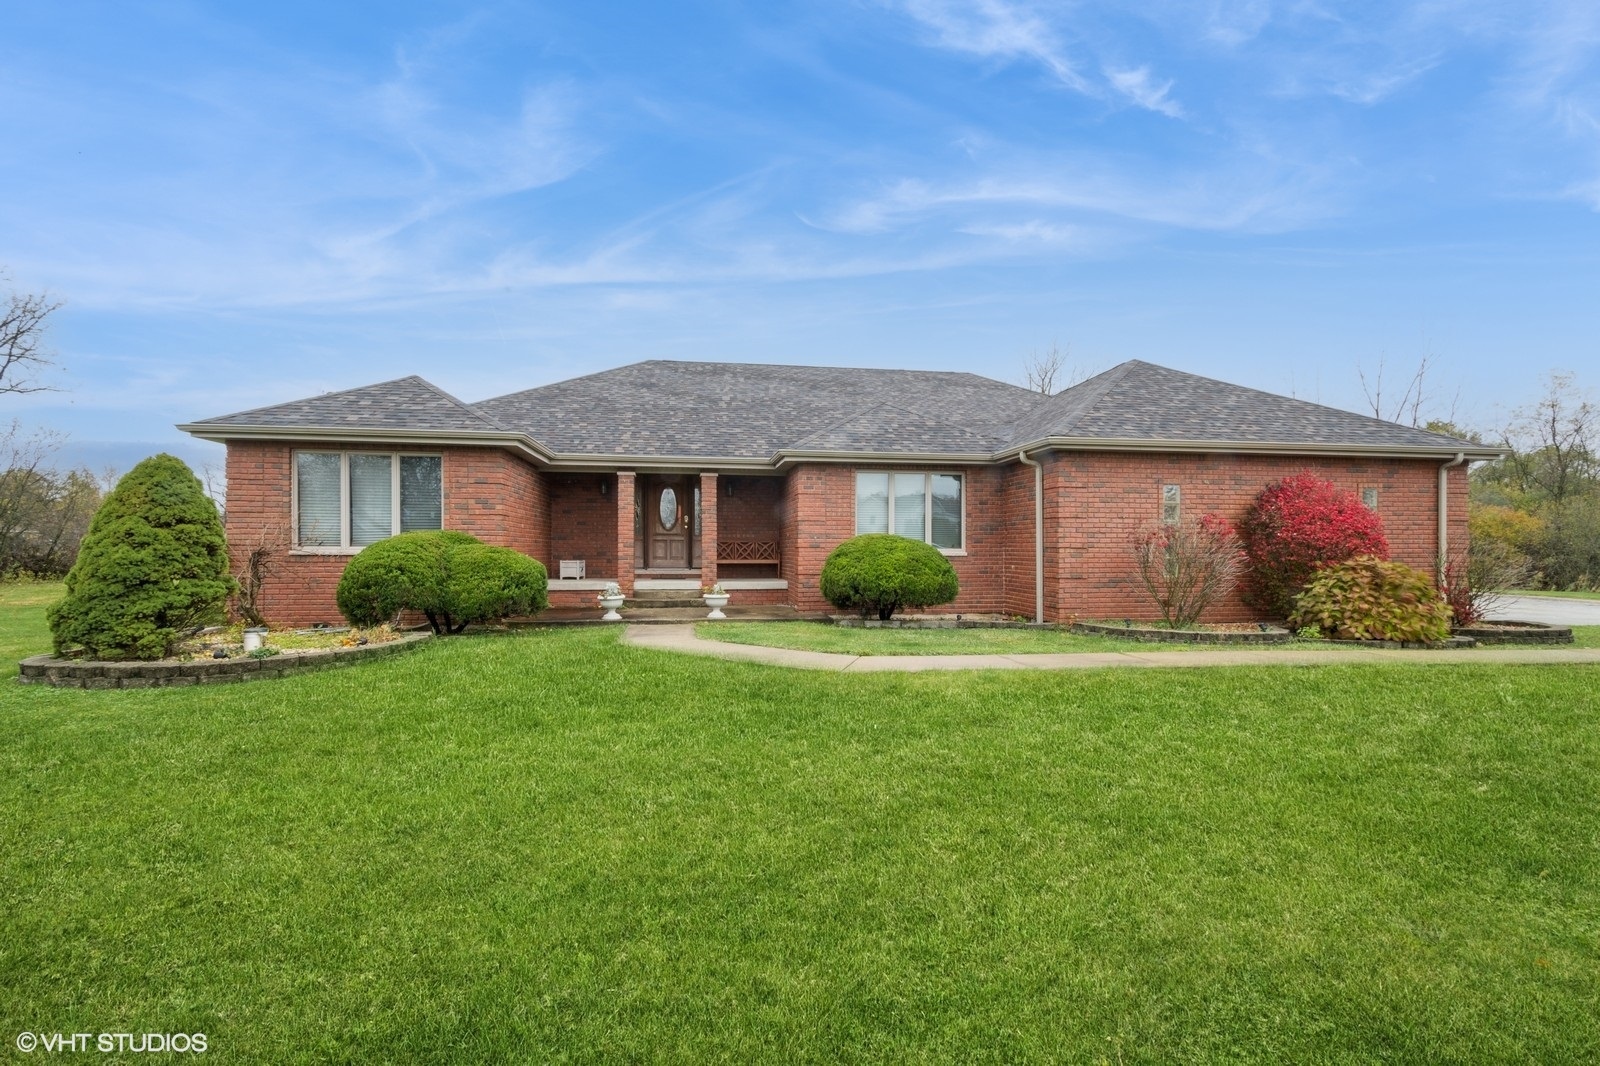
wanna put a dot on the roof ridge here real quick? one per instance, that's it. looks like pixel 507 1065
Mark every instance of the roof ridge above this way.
pixel 1088 393
pixel 325 395
pixel 852 416
pixel 1278 396
pixel 819 367
pixel 467 407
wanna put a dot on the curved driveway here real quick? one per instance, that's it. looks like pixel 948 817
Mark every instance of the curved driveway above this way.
pixel 1551 610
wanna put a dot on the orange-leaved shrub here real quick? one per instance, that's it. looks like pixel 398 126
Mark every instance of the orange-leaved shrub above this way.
pixel 1367 598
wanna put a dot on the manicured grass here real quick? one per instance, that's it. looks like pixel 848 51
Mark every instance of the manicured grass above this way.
pixel 824 636
pixel 1559 595
pixel 22 628
pixel 548 846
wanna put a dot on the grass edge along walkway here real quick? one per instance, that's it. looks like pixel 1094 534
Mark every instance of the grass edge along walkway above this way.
pixel 686 641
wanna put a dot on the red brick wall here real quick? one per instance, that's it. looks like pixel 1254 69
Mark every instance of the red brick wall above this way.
pixel 753 512
pixel 1096 501
pixel 583 523
pixel 1093 504
pixel 487 492
pixel 822 500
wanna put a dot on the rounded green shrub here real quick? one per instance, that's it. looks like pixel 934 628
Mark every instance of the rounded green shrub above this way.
pixel 882 572
pixel 453 579
pixel 1367 598
pixel 153 566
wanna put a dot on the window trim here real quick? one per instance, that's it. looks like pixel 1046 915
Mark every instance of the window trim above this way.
pixel 344 547
pixel 927 504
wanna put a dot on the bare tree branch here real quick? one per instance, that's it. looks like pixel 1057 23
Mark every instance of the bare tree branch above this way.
pixel 1042 372
pixel 22 356
pixel 1039 370
pixel 1408 409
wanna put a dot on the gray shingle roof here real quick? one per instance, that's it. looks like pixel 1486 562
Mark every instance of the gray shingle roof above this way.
pixel 1138 401
pixel 408 403
pixel 666 409
pixel 741 410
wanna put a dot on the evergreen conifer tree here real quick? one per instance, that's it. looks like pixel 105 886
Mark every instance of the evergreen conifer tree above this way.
pixel 153 565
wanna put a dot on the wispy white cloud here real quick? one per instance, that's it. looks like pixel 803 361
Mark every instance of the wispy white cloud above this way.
pixel 995 29
pixel 1007 31
pixel 1137 86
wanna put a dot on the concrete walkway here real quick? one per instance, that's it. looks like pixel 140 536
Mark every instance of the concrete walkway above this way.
pixel 683 640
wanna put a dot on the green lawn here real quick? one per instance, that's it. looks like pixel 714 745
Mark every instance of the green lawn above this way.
pixel 549 846
pixel 824 636
pixel 22 628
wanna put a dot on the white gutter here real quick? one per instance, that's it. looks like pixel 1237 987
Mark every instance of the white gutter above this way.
pixel 1444 514
pixel 1038 535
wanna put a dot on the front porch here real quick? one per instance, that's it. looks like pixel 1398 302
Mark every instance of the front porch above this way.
pixel 664 536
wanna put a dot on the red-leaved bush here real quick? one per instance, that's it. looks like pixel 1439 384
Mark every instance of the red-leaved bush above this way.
pixel 1295 527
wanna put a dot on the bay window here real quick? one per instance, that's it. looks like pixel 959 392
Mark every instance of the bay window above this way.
pixel 351 499
pixel 925 507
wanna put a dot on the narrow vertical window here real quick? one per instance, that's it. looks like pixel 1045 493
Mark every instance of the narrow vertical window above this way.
pixel 1171 504
pixel 371 498
pixel 317 493
pixel 872 503
pixel 946 493
pixel 910 518
pixel 1369 496
pixel 421 493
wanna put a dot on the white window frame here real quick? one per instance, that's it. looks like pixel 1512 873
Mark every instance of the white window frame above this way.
pixel 927 504
pixel 344 547
pixel 1369 497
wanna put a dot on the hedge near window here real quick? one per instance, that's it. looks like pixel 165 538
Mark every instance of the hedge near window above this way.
pixel 453 579
pixel 153 565
pixel 881 573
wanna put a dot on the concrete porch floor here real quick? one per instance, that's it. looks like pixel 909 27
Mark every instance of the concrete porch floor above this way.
pixel 577 616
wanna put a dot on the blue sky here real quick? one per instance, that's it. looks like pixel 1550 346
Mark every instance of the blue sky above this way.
pixel 249 203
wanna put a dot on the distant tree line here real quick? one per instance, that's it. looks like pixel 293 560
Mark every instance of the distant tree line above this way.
pixel 1540 505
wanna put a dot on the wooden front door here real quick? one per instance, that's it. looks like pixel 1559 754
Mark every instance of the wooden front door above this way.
pixel 669 517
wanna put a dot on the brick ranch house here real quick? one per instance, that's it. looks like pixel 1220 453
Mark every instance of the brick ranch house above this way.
pixel 671 475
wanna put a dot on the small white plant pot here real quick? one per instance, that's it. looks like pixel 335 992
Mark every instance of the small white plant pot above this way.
pixel 716 603
pixel 611 603
pixel 253 639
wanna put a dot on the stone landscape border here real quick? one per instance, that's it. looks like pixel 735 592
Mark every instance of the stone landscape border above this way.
pixel 80 673
pixel 1535 633
pixel 1150 635
pixel 1138 633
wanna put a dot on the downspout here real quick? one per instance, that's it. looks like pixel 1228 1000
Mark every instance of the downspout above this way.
pixel 1444 514
pixel 1038 535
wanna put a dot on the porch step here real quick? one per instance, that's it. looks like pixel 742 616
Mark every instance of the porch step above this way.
pixel 664 599
pixel 633 615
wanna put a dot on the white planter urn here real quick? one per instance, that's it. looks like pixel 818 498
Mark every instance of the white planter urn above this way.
pixel 716 601
pixel 611 603
pixel 254 638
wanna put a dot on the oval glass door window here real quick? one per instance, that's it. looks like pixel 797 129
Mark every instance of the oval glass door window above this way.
pixel 669 508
